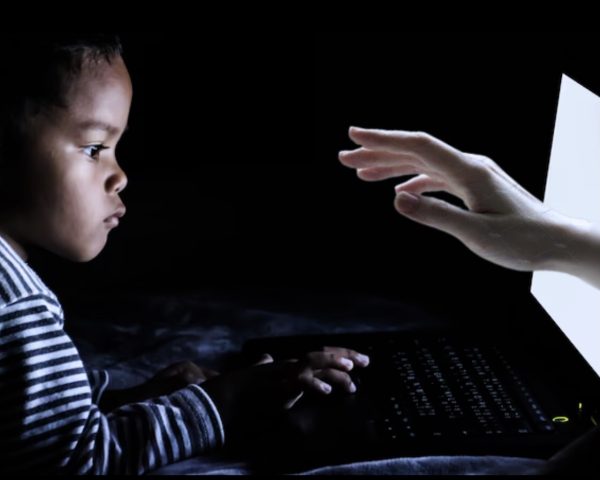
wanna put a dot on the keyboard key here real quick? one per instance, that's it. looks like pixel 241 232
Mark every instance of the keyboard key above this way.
pixel 438 389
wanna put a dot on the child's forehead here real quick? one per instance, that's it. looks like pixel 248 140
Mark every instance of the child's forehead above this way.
pixel 83 121
pixel 99 100
pixel 95 80
pixel 97 124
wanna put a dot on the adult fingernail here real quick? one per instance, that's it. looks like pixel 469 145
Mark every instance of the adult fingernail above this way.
pixel 407 202
pixel 352 388
pixel 325 387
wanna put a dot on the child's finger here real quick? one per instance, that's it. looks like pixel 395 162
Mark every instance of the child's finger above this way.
pixel 308 380
pixel 290 403
pixel 357 358
pixel 336 378
pixel 329 359
pixel 210 373
pixel 292 390
pixel 265 358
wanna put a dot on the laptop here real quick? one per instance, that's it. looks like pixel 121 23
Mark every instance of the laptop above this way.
pixel 491 390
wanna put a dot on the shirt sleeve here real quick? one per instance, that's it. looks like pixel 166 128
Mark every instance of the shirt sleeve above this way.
pixel 98 383
pixel 50 423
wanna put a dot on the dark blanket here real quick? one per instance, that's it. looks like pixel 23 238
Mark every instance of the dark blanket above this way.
pixel 135 335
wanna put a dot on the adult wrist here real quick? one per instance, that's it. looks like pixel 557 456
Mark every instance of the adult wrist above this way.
pixel 575 247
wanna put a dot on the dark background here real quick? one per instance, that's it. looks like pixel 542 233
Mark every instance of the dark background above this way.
pixel 234 181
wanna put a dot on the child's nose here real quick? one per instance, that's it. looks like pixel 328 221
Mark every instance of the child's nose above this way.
pixel 117 181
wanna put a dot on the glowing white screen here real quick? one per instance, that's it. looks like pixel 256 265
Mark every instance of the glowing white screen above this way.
pixel 573 188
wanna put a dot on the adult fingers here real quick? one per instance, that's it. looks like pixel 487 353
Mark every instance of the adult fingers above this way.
pixel 421 184
pixel 363 157
pixel 373 174
pixel 439 214
pixel 434 153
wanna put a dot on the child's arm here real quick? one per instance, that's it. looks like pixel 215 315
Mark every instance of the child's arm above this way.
pixel 165 382
pixel 49 424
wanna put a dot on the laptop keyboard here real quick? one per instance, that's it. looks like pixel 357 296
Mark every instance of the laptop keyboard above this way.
pixel 437 388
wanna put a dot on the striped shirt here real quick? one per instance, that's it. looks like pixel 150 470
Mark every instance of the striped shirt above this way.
pixel 49 416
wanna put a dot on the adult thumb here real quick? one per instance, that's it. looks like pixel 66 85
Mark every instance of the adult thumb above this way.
pixel 435 213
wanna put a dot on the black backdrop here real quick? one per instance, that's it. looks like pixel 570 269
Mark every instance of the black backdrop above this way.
pixel 232 158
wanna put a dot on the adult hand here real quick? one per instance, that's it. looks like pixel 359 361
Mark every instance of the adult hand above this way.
pixel 503 222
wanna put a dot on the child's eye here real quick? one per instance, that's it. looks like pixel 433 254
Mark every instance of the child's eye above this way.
pixel 93 151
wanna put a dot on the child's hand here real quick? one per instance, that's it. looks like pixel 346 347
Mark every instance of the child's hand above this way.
pixel 249 397
pixel 175 377
pixel 166 381
pixel 321 371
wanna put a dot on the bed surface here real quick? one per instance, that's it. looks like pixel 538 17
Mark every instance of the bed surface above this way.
pixel 134 335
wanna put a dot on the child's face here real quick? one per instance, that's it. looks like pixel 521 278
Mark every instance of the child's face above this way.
pixel 73 186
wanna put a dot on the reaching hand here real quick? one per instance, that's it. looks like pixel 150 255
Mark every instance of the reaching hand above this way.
pixel 503 223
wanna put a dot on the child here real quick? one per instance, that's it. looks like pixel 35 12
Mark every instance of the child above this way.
pixel 64 104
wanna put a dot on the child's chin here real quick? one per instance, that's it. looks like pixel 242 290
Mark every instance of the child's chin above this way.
pixel 87 258
pixel 83 255
pixel 79 258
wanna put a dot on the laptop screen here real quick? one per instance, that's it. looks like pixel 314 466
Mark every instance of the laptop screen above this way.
pixel 573 188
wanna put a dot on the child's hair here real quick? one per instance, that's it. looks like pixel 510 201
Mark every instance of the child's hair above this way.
pixel 35 68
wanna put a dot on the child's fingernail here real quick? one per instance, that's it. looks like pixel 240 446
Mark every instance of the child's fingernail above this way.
pixel 362 359
pixel 347 363
pixel 352 388
pixel 326 388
